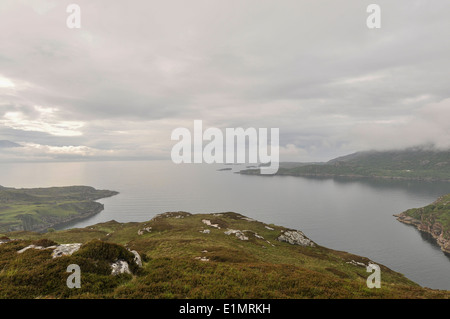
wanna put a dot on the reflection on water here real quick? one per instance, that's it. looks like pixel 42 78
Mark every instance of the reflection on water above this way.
pixel 415 187
pixel 419 189
pixel 428 238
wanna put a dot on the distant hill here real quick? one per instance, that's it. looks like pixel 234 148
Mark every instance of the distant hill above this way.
pixel 412 163
pixel 8 144
pixel 404 159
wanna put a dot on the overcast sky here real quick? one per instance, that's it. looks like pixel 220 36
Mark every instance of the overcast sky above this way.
pixel 136 70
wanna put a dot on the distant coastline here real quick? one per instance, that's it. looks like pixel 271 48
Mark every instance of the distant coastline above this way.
pixel 319 175
pixel 409 164
pixel 70 220
pixel 40 209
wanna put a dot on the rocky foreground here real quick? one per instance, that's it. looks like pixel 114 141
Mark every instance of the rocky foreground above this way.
pixel 183 255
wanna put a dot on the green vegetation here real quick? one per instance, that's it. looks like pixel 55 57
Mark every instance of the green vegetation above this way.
pixel 190 256
pixel 438 212
pixel 405 164
pixel 39 209
pixel 433 219
pixel 35 274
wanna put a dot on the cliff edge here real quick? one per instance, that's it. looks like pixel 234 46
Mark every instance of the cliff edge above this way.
pixel 433 219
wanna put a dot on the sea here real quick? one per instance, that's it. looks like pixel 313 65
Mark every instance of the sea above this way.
pixel 353 215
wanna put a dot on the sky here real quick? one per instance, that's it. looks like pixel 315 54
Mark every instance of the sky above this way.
pixel 136 70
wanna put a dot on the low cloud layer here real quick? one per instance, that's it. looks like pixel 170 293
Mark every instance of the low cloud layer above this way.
pixel 118 86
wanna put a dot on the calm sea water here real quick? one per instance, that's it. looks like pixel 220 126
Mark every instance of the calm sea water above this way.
pixel 349 215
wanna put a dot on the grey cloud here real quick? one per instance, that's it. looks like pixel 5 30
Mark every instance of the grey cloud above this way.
pixel 135 71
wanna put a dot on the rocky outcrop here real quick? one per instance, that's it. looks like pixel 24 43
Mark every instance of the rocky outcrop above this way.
pixel 295 237
pixel 431 226
pixel 120 267
pixel 238 233
pixel 407 220
pixel 208 222
pixel 65 250
pixel 137 258
pixel 201 258
pixel 442 238
pixel 31 247
pixel 143 230
pixel 356 263
pixel 58 251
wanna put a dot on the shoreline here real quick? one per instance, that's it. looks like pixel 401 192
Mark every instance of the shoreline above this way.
pixel 69 220
pixel 79 205
pixel 435 230
pixel 425 179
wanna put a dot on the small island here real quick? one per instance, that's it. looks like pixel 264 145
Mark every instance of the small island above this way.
pixel 433 219
pixel 38 209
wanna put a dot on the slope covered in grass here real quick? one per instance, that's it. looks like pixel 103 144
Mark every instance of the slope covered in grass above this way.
pixel 223 255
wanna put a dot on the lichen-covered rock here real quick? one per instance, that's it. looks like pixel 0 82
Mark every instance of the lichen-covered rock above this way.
pixel 30 247
pixel 58 251
pixel 97 250
pixel 258 236
pixel 295 237
pixel 238 233
pixel 137 258
pixel 65 250
pixel 208 222
pixel 145 229
pixel 356 263
pixel 120 267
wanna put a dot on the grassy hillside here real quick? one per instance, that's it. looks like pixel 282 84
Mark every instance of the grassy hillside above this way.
pixel 404 164
pixel 40 208
pixel 193 256
pixel 433 219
